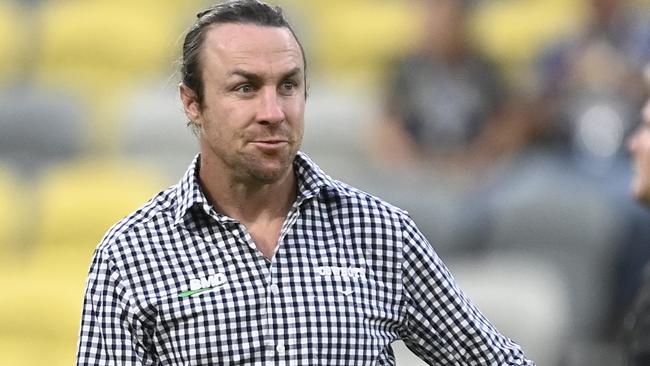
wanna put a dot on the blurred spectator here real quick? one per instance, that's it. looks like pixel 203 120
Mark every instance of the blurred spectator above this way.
pixel 445 99
pixel 637 325
pixel 591 89
pixel 590 81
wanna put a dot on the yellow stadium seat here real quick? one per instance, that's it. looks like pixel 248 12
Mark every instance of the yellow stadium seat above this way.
pixel 98 47
pixel 11 215
pixel 12 44
pixel 40 315
pixel 77 204
pixel 513 32
pixel 177 6
pixel 42 299
pixel 79 201
pixel 360 37
pixel 40 127
pixel 26 350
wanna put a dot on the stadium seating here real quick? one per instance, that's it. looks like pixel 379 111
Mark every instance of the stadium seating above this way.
pixel 547 212
pixel 153 130
pixel 98 49
pixel 39 319
pixel 40 126
pixel 78 202
pixel 359 38
pixel 512 32
pixel 30 350
pixel 12 28
pixel 11 209
pixel 513 289
pixel 99 46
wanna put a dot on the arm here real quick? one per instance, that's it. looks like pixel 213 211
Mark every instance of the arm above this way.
pixel 111 331
pixel 442 326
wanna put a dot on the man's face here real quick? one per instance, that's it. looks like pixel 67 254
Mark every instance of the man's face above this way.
pixel 252 118
pixel 639 145
pixel 604 10
pixel 445 24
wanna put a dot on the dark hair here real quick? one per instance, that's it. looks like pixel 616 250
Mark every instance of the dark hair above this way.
pixel 233 11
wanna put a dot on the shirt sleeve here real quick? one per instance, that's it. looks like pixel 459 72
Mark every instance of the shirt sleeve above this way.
pixel 442 326
pixel 111 332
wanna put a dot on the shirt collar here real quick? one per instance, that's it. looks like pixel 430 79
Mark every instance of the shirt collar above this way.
pixel 311 182
pixel 189 192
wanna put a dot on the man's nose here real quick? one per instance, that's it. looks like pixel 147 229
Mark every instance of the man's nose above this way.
pixel 270 107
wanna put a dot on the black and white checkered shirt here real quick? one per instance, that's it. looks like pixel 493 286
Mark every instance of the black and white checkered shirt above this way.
pixel 177 283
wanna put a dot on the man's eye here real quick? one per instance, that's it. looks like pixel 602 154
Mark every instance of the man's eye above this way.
pixel 245 88
pixel 288 85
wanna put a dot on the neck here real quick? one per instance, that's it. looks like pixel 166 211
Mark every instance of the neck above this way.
pixel 247 200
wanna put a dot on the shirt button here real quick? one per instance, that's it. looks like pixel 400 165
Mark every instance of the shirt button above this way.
pixel 280 348
pixel 275 289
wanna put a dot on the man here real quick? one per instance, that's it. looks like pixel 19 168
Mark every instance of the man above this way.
pixel 596 66
pixel 639 146
pixel 257 257
pixel 445 99
pixel 637 323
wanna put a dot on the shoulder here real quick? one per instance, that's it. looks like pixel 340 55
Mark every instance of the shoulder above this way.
pixel 150 219
pixel 366 204
pixel 342 196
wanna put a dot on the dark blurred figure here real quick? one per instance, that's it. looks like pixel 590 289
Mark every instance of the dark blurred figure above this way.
pixel 590 82
pixel 637 323
pixel 445 100
pixel 591 89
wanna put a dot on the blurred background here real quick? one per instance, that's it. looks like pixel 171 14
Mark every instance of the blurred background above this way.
pixel 499 125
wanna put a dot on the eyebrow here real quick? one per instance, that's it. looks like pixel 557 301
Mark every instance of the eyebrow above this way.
pixel 257 78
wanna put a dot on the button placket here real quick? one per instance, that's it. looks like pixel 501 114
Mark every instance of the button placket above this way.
pixel 270 348
pixel 245 236
pixel 271 291
pixel 281 348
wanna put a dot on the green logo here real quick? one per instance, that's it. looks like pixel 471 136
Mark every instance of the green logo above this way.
pixel 203 285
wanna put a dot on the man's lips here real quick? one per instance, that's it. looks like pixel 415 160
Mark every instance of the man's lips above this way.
pixel 270 144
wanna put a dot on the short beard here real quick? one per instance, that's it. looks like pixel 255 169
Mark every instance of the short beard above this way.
pixel 251 173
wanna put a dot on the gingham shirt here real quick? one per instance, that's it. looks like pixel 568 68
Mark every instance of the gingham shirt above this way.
pixel 177 283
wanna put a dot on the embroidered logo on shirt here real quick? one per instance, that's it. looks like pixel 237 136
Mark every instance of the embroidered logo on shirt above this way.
pixel 204 285
pixel 342 272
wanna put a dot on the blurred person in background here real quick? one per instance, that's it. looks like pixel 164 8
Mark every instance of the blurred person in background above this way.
pixel 590 91
pixel 256 256
pixel 637 323
pixel 639 146
pixel 590 84
pixel 447 104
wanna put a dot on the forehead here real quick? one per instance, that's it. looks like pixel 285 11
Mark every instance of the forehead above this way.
pixel 235 45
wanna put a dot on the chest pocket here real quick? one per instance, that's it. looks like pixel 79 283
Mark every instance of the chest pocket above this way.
pixel 362 302
pixel 208 325
pixel 345 316
pixel 178 318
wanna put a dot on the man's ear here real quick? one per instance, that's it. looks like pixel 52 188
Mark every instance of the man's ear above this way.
pixel 190 103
